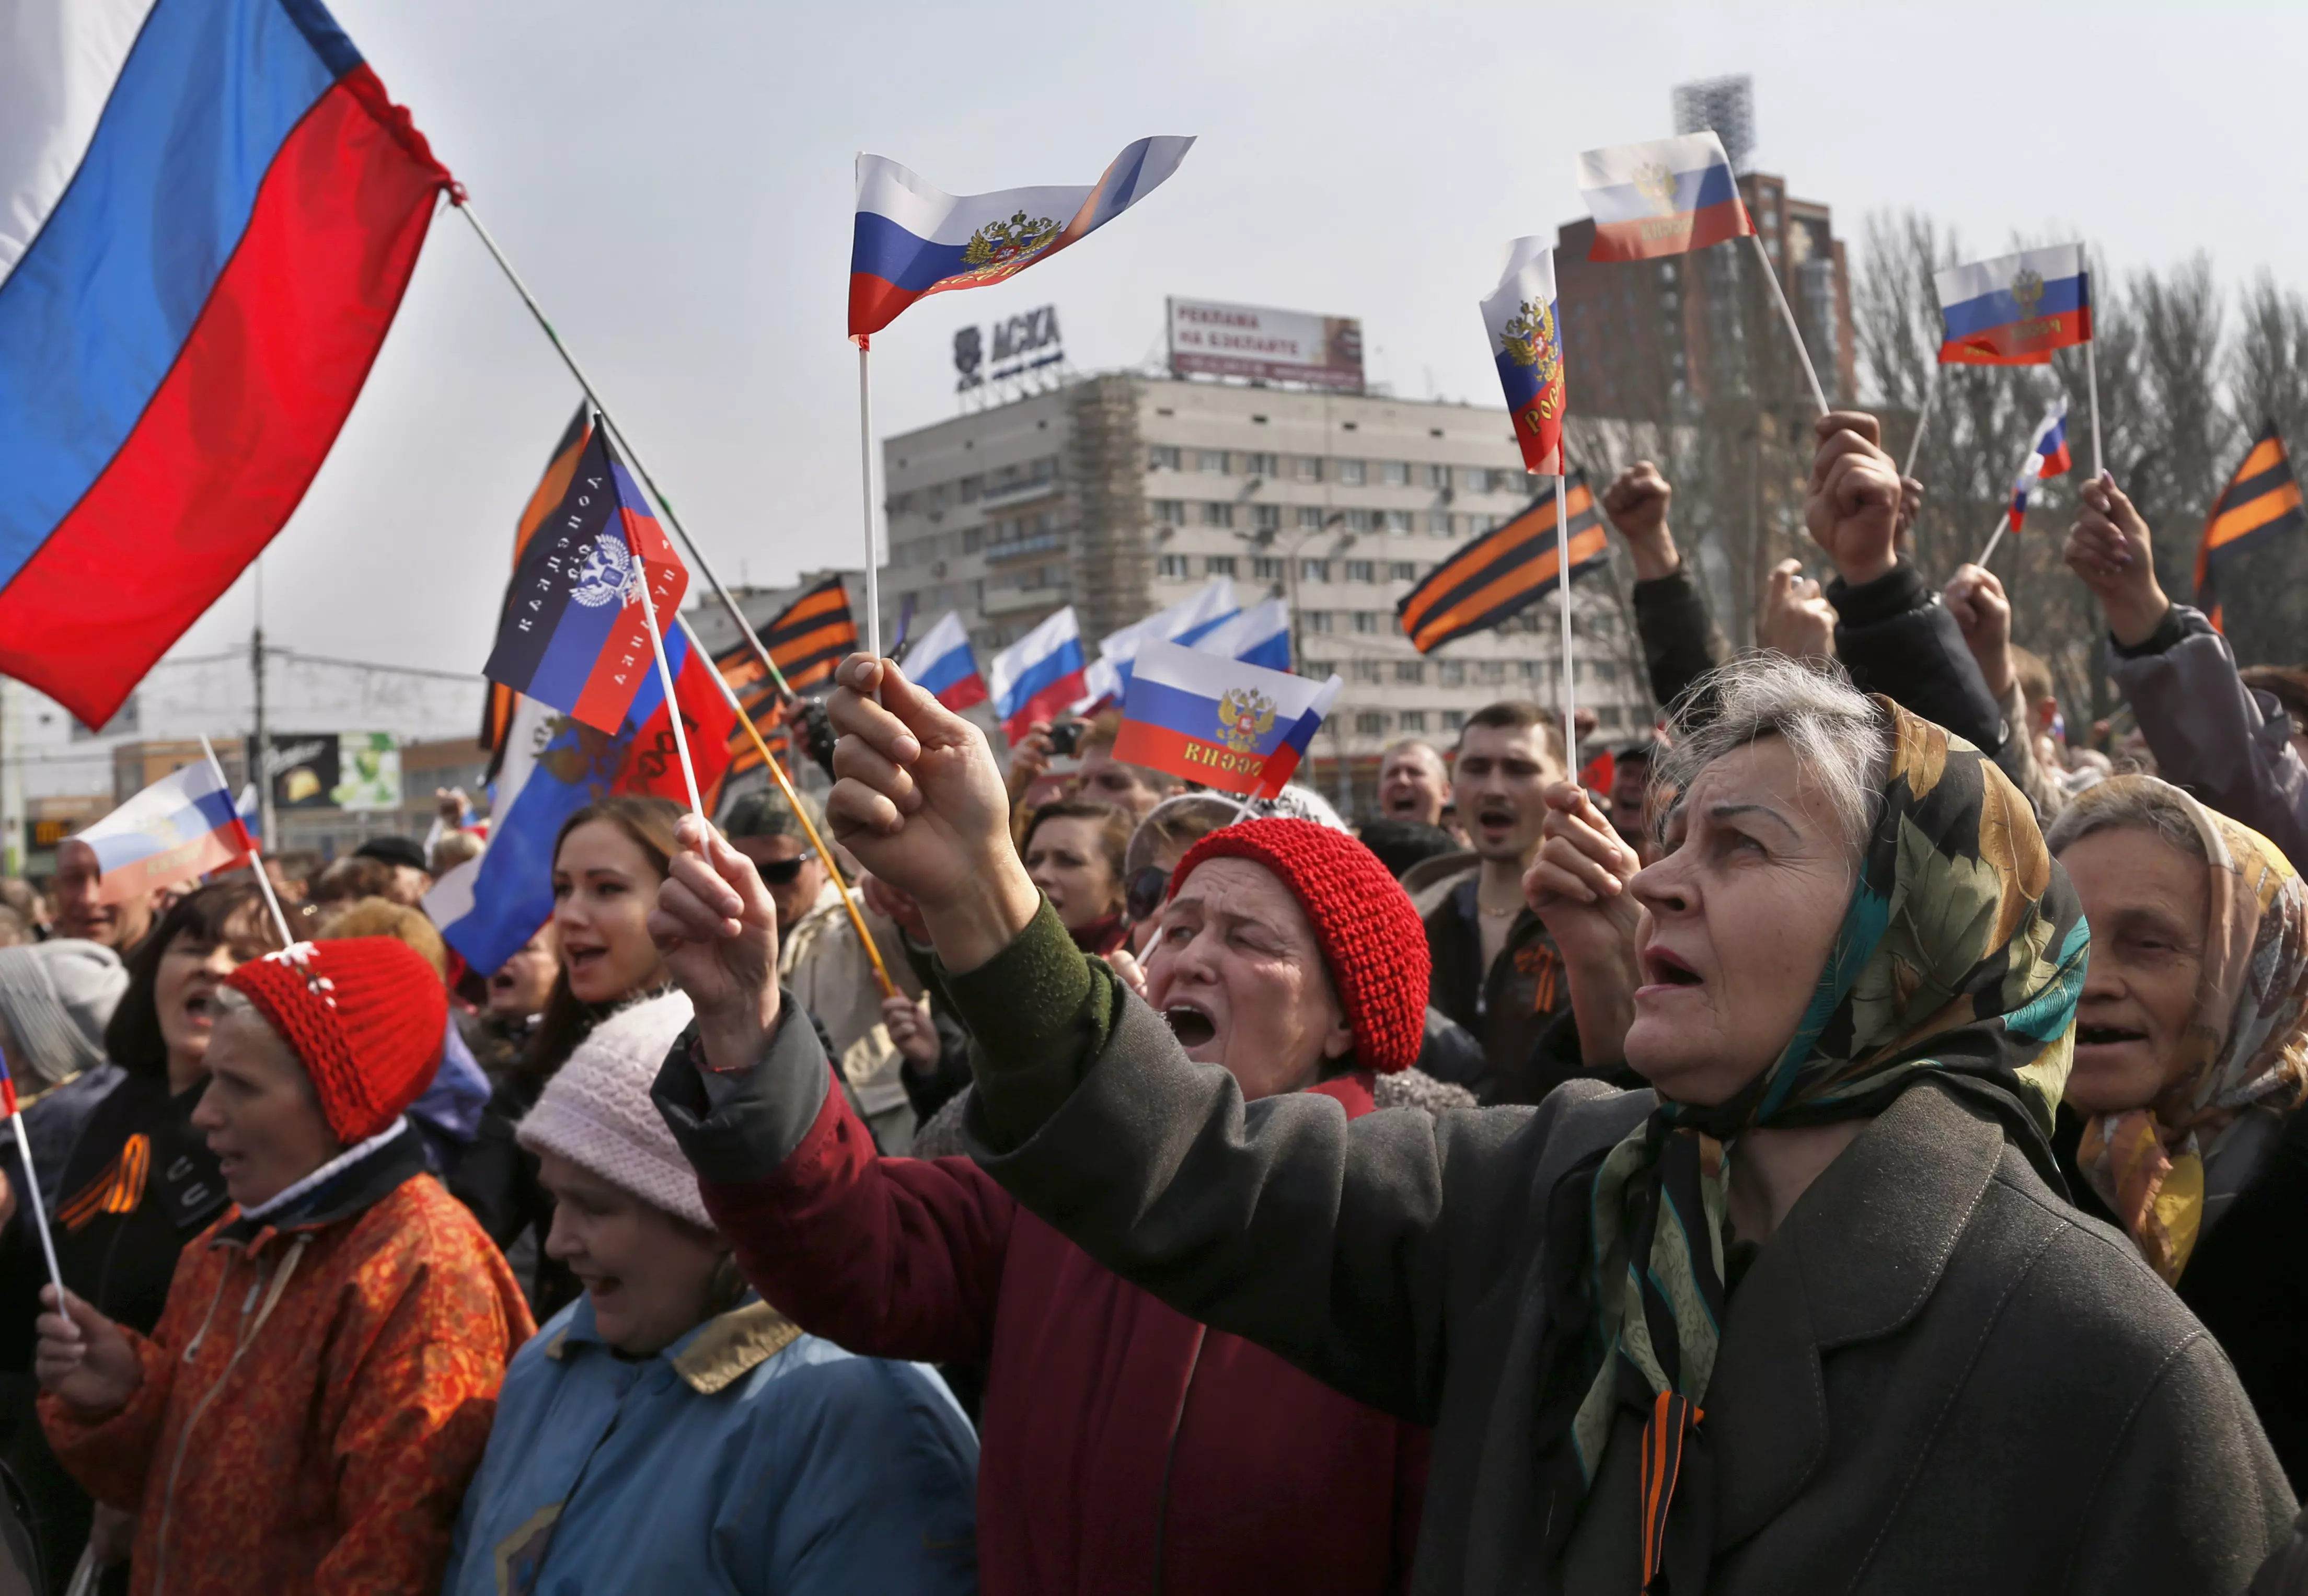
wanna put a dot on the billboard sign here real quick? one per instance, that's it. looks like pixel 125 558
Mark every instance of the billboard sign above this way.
pixel 356 770
pixel 1270 345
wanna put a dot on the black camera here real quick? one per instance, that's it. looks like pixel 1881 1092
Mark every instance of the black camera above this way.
pixel 1066 738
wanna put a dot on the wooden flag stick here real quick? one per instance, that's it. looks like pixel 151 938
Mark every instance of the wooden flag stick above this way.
pixel 1923 421
pixel 664 680
pixel 1811 373
pixel 793 801
pixel 1563 591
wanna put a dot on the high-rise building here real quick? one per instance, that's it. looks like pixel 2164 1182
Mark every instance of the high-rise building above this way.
pixel 1121 494
pixel 1643 339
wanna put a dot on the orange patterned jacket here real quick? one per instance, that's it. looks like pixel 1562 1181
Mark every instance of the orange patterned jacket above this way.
pixel 316 1396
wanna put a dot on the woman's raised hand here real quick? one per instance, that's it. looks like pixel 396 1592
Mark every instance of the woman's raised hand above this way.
pixel 717 930
pixel 921 804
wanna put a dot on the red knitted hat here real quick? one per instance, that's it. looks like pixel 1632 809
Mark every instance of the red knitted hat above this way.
pixel 366 1016
pixel 1372 939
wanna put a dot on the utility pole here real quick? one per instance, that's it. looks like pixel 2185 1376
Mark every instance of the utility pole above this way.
pixel 259 744
pixel 13 827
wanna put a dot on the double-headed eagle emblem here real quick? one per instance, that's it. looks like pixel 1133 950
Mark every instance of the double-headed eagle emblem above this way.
pixel 605 573
pixel 2028 291
pixel 1001 247
pixel 1245 716
pixel 1529 339
pixel 1656 183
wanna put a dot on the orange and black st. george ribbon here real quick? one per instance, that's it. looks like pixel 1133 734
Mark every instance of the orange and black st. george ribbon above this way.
pixel 497 706
pixel 1503 572
pixel 2260 503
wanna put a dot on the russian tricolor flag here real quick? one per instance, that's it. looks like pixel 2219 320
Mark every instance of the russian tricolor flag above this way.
pixel 1186 623
pixel 942 665
pixel 1039 674
pixel 574 632
pixel 912 238
pixel 2050 444
pixel 1662 198
pixel 209 211
pixel 2015 310
pixel 1525 338
pixel 1238 727
pixel 1260 636
pixel 183 825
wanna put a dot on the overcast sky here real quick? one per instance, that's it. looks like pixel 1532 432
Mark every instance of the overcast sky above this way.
pixel 674 181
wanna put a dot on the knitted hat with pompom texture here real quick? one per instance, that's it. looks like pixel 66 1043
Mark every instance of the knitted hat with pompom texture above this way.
pixel 366 1016
pixel 596 1110
pixel 1371 939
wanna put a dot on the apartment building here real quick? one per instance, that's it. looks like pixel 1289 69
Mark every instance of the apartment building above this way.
pixel 1124 492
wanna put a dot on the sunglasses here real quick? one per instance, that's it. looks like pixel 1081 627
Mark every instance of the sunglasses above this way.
pixel 783 872
pixel 1145 894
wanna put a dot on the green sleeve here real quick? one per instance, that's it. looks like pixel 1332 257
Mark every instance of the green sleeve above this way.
pixel 1040 1013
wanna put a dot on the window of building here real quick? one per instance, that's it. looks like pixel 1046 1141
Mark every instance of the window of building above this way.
pixel 1412 720
pixel 1394 473
pixel 1607 670
pixel 1266 518
pixel 1368 620
pixel 1217 515
pixel 1438 477
pixel 1045 525
pixel 1316 669
pixel 1266 570
pixel 1318 620
pixel 1494 672
pixel 1307 467
pixel 1402 571
pixel 1370 723
pixel 1366 670
pixel 1314 570
pixel 1438 522
pixel 1610 718
pixel 1162 457
pixel 1170 511
pixel 1219 566
pixel 1350 472
pixel 1310 518
pixel 971 488
pixel 1410 671
pixel 1475 479
pixel 1398 521
pixel 901 503
pixel 1171 567
pixel 1454 720
pixel 1451 672
pixel 1359 520
pixel 971 537
pixel 1212 460
pixel 1362 570
pixel 1259 465
pixel 938 497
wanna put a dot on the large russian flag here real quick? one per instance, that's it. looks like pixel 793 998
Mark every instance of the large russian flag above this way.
pixel 209 211
pixel 913 238
pixel 183 826
pixel 1526 337
pixel 1225 724
pixel 1661 198
pixel 2015 310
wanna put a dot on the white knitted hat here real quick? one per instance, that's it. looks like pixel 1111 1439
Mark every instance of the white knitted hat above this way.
pixel 596 1110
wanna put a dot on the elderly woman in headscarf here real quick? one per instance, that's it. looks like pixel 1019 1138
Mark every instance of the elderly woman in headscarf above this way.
pixel 1808 1314
pixel 2192 1058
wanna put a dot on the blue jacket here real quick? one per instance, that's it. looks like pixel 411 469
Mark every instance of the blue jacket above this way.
pixel 745 1458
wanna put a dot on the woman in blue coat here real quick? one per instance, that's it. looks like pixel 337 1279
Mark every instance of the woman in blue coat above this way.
pixel 670 1430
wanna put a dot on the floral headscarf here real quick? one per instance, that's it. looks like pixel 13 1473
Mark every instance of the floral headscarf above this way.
pixel 1959 959
pixel 2247 1041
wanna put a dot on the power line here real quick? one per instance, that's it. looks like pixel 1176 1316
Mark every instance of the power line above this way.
pixel 240 656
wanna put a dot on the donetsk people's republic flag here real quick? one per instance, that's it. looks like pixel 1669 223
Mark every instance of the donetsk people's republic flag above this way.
pixel 2015 310
pixel 913 239
pixel 1239 728
pixel 1527 345
pixel 576 635
pixel 1503 571
pixel 209 210
pixel 497 704
pixel 1663 198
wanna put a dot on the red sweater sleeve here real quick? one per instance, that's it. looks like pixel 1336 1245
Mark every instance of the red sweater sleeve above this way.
pixel 890 1257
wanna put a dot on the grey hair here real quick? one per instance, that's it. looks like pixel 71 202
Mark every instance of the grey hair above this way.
pixel 1841 737
pixel 229 1000
pixel 2135 804
pixel 1189 816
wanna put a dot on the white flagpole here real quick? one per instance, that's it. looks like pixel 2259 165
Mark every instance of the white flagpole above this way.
pixel 2002 523
pixel 1923 421
pixel 1811 373
pixel 866 482
pixel 39 1214
pixel 2091 374
pixel 255 859
pixel 664 679
pixel 1562 592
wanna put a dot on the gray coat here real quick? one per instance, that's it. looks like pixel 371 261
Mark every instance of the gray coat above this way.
pixel 1935 1376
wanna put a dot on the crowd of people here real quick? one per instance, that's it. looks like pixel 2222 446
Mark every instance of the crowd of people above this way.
pixel 1850 1144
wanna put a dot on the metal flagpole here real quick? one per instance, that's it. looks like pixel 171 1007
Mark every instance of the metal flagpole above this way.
pixel 256 855
pixel 464 205
pixel 1923 421
pixel 33 1185
pixel 664 679
pixel 1563 591
pixel 866 489
pixel 1818 394
pixel 793 801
